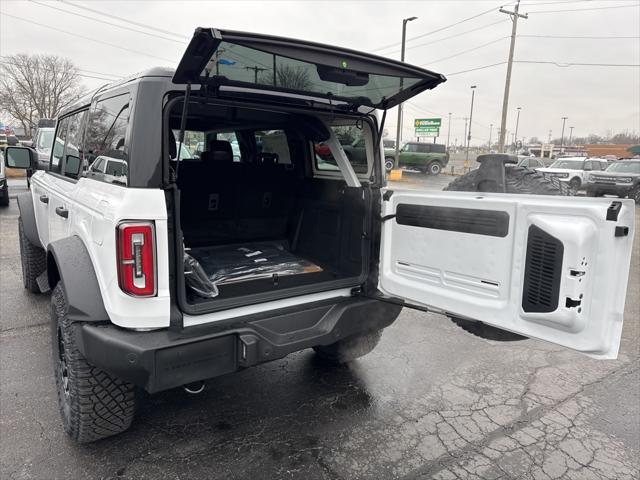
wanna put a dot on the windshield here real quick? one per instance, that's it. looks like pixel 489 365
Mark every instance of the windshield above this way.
pixel 624 167
pixel 45 139
pixel 569 164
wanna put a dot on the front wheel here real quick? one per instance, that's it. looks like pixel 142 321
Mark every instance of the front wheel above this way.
pixel 93 404
pixel 434 168
pixel 575 183
pixel 388 164
pixel 349 348
pixel 635 195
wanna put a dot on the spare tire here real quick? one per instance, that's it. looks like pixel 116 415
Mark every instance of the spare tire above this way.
pixel 517 180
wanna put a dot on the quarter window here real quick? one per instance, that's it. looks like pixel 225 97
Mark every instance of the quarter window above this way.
pixel 106 137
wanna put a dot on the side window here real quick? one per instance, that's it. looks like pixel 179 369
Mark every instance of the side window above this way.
pixel 352 140
pixel 525 163
pixel 72 158
pixel 60 138
pixel 411 147
pixel 424 148
pixel 588 165
pixel 106 137
pixel 603 165
pixel 275 144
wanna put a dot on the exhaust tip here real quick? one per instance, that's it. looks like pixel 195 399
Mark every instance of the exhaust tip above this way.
pixel 194 388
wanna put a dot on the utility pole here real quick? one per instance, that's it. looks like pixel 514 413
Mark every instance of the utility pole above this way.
pixel 396 160
pixel 564 120
pixel 505 101
pixel 549 137
pixel 255 69
pixel 449 131
pixel 473 93
pixel 490 132
pixel 570 135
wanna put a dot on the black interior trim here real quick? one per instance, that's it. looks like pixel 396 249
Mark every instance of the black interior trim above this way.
pixel 465 220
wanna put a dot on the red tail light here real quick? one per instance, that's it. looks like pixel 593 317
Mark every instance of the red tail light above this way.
pixel 137 258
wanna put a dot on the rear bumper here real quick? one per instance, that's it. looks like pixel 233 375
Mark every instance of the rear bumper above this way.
pixel 160 360
pixel 594 189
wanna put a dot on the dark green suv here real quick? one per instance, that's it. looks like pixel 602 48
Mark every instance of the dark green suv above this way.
pixel 430 158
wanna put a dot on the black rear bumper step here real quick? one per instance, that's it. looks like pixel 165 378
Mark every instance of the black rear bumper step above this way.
pixel 164 359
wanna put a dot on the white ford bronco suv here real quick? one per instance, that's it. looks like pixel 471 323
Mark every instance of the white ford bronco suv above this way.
pixel 167 270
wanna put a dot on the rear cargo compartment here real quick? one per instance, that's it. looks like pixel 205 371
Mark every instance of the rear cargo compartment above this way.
pixel 255 220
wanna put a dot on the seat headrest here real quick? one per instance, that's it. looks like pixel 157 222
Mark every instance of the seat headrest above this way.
pixel 219 151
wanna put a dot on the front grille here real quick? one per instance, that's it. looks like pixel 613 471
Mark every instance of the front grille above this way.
pixel 607 180
pixel 543 268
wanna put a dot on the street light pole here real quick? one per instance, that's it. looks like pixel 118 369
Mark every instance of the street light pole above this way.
pixel 490 132
pixel 464 139
pixel 505 100
pixel 449 131
pixel 517 123
pixel 473 93
pixel 564 120
pixel 570 135
pixel 399 126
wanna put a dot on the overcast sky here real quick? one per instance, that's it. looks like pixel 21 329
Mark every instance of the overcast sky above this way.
pixel 596 99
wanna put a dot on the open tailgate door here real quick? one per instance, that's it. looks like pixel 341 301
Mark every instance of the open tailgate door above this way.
pixel 549 267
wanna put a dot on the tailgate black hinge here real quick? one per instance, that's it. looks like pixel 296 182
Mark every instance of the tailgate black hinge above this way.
pixel 621 231
pixel 387 195
pixel 387 217
pixel 613 211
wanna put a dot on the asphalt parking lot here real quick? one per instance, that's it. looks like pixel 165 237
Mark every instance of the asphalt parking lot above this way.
pixel 430 402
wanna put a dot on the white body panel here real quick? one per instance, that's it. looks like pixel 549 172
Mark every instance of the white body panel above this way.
pixel 481 277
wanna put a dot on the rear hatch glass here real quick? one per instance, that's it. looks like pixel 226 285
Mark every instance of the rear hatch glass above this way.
pixel 263 62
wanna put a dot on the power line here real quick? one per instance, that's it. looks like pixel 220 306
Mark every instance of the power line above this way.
pixel 154 35
pixel 474 69
pixel 586 9
pixel 86 38
pixel 581 37
pixel 450 36
pixel 446 27
pixel 6 62
pixel 578 64
pixel 138 24
pixel 466 51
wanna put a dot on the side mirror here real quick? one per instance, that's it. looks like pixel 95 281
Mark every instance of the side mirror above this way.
pixel 20 157
pixel 72 166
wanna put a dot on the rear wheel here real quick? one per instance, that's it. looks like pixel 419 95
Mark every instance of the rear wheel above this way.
pixel 517 180
pixel 33 260
pixel 388 164
pixel 93 404
pixel 349 348
pixel 434 168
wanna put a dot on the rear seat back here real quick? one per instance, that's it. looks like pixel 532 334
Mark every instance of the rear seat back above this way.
pixel 224 201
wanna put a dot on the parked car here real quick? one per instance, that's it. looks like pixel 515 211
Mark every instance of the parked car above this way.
pixel 573 170
pixel 530 162
pixel 426 157
pixel 620 178
pixel 389 144
pixel 4 187
pixel 43 142
pixel 169 273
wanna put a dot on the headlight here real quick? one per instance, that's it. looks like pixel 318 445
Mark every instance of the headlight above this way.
pixel 563 175
pixel 591 178
pixel 624 179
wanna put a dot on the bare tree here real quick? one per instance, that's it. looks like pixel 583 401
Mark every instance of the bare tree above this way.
pixel 289 76
pixel 36 86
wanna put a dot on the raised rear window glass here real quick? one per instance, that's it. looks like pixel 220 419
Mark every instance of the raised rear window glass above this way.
pixel 249 65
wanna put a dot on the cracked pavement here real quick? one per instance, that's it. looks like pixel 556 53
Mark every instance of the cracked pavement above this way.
pixel 431 401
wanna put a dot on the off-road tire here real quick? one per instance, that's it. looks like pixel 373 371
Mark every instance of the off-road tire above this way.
pixel 33 260
pixel 388 164
pixel 349 348
pixel 434 168
pixel 93 404
pixel 517 180
pixel 635 195
pixel 4 201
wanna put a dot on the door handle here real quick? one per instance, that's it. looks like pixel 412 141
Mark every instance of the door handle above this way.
pixel 63 212
pixel 44 199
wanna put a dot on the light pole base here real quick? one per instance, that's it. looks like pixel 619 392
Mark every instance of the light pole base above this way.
pixel 395 175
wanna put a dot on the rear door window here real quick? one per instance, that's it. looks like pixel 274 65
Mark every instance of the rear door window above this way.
pixel 353 139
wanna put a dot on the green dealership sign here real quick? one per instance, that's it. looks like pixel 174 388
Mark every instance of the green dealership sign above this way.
pixel 427 127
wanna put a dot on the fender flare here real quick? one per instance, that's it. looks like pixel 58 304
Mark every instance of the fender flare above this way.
pixel 68 260
pixel 28 216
